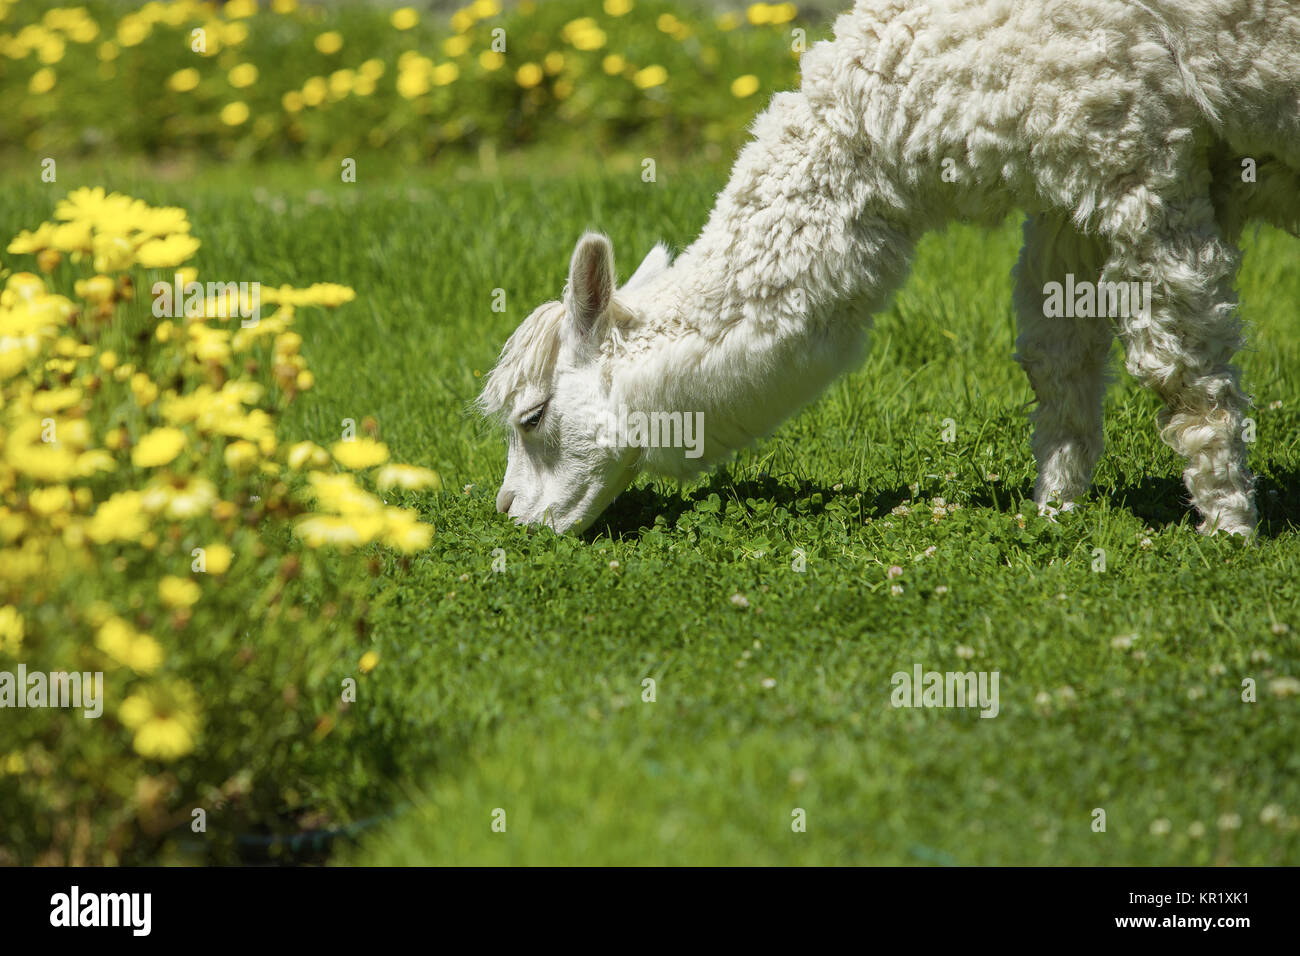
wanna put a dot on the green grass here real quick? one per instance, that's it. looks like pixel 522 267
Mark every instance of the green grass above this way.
pixel 523 690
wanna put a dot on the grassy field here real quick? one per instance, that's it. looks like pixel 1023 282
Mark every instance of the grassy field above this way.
pixel 522 690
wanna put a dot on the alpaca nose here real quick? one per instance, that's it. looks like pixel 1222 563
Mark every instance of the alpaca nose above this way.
pixel 505 499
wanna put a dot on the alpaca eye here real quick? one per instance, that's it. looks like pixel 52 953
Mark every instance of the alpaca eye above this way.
pixel 533 418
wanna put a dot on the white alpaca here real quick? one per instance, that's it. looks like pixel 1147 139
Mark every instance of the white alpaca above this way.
pixel 1121 127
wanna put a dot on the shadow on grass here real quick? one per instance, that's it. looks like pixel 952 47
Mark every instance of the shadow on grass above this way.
pixel 1159 502
pixel 1162 502
pixel 636 511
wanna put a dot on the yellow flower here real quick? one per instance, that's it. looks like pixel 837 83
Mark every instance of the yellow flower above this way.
pixel 179 502
pixel 243 75
pixel 341 493
pixel 616 8
pixel 217 558
pixel 159 447
pixel 408 477
pixel 359 453
pixel 292 102
pixel 144 389
pixel 404 18
pixel 330 42
pixel 15 763
pixel 11 630
pixel 164 718
pixel 55 400
pixel 341 83
pixel 782 12
pixel 491 60
pixel 233 114
pixel 327 294
pixel 42 81
pixel 22 286
pixel 124 644
pixel 613 64
pixel 133 29
pixel 50 500
pixel 28 242
pixel 369 660
pixel 528 75
pixel 284 6
pixel 338 531
pixel 233 35
pixel 97 289
pixel 592 38
pixel 178 592
pixel 95 460
pixel 314 90
pixel 412 83
pixel 455 46
pixel 743 86
pixel 241 456
pixel 182 81
pixel 650 76
pixel 445 73
pixel 113 253
pixel 121 518
pixel 165 253
pixel 574 27
pixel 404 533
pixel 307 454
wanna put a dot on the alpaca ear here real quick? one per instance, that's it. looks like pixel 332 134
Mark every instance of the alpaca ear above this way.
pixel 656 261
pixel 591 280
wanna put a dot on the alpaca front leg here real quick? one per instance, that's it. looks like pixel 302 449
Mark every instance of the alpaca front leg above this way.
pixel 1182 346
pixel 1065 359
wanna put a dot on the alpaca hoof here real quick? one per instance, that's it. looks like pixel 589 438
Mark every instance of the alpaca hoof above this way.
pixel 1244 528
pixel 1049 511
pixel 1232 514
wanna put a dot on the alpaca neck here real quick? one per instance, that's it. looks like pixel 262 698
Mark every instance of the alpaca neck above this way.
pixel 773 300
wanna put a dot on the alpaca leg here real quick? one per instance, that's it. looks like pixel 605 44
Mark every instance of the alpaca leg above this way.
pixel 1065 359
pixel 1181 346
pixel 1271 194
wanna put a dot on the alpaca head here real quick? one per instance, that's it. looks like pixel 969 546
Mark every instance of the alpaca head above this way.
pixel 553 389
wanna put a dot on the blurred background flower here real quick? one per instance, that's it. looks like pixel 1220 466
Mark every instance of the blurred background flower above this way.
pixel 283 78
